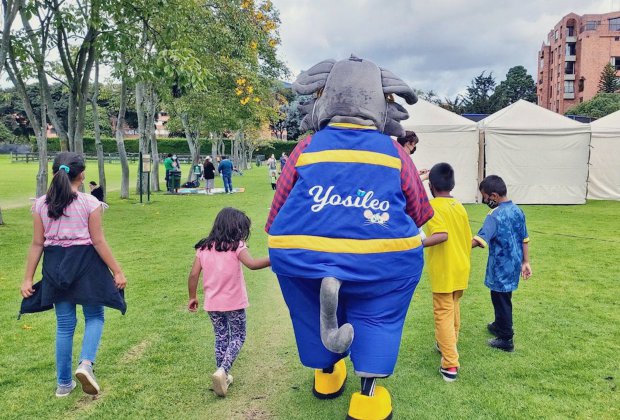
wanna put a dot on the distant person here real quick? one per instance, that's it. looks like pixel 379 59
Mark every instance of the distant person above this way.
pixel 169 168
pixel 273 177
pixel 283 159
pixel 226 169
pixel 78 269
pixel 409 142
pixel 505 234
pixel 219 257
pixel 96 190
pixel 175 174
pixel 208 173
pixel 271 166
pixel 448 251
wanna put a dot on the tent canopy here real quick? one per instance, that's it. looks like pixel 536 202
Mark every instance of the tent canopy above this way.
pixel 446 137
pixel 604 176
pixel 542 156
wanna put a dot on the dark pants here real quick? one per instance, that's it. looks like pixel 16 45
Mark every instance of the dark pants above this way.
pixel 502 303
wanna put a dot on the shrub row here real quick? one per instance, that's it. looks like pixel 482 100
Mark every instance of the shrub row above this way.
pixel 171 145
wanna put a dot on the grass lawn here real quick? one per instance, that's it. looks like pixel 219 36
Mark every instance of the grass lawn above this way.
pixel 156 361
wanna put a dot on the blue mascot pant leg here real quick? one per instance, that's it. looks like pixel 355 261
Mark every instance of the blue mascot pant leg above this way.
pixel 302 296
pixel 377 311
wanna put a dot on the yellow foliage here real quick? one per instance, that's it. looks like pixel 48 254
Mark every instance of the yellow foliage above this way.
pixel 253 45
pixel 246 4
pixel 273 42
pixel 257 99
pixel 238 91
pixel 249 89
pixel 260 16
pixel 269 26
pixel 244 100
pixel 241 81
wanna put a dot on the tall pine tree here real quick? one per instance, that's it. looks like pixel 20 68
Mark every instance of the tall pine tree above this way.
pixel 609 82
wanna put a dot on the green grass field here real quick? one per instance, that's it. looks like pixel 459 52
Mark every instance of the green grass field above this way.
pixel 156 361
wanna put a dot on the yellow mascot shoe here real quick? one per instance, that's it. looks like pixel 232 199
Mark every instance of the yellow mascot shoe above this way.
pixel 330 385
pixel 377 407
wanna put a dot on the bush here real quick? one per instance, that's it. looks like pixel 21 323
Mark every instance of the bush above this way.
pixel 170 145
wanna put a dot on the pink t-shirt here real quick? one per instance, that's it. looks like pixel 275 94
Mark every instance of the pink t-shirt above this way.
pixel 72 228
pixel 223 282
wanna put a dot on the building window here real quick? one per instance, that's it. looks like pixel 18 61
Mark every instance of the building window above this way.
pixel 569 67
pixel 614 24
pixel 591 25
pixel 555 35
pixel 615 61
pixel 571 48
pixel 569 86
pixel 570 31
pixel 581 84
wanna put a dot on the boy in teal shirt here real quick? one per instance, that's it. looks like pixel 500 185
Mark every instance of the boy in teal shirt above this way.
pixel 505 234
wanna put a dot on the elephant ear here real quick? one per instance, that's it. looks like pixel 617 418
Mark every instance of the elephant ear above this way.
pixel 393 84
pixel 313 79
pixel 395 113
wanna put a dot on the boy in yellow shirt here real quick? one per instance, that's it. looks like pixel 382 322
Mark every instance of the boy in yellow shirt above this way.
pixel 448 252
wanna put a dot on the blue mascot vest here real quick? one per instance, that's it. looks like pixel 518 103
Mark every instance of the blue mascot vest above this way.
pixel 345 217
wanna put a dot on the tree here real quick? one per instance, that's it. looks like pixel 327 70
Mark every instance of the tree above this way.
pixel 518 85
pixel 609 82
pixel 456 105
pixel 479 98
pixel 600 105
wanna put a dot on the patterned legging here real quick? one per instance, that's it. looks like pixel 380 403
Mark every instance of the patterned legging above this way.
pixel 229 329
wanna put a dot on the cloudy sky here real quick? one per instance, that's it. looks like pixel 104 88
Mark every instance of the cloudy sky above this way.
pixel 432 44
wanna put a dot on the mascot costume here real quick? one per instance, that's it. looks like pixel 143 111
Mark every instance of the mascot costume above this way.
pixel 343 230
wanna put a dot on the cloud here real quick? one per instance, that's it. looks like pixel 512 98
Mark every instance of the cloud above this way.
pixel 439 45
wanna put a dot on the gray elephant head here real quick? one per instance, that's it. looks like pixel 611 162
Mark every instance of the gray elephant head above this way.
pixel 353 91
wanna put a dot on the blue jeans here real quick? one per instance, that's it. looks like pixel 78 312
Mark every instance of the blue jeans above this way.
pixel 65 327
pixel 227 183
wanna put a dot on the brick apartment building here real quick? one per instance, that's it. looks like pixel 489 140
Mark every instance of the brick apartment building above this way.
pixel 570 62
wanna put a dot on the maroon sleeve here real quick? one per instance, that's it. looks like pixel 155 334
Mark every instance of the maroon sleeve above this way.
pixel 418 207
pixel 286 182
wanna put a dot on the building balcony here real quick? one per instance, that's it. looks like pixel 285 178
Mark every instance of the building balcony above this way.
pixel 571 38
pixel 569 76
pixel 569 95
pixel 570 58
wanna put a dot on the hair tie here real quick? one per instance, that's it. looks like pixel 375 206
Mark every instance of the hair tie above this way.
pixel 64 168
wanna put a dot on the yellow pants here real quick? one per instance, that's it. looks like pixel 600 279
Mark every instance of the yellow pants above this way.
pixel 447 323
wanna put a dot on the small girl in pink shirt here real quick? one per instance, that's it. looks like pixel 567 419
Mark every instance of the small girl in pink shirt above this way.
pixel 218 256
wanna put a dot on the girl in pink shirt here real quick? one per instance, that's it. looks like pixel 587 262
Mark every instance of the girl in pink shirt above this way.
pixel 78 269
pixel 219 257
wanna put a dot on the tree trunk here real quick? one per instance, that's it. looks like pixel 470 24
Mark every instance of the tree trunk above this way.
pixel 143 144
pixel 193 143
pixel 42 146
pixel 1 219
pixel 98 144
pixel 150 123
pixel 38 124
pixel 120 143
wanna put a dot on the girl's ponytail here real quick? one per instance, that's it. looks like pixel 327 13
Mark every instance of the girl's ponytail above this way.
pixel 67 166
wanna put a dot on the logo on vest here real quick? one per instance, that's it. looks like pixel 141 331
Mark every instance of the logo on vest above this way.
pixel 362 199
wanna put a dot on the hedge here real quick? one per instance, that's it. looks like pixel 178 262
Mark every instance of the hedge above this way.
pixel 171 145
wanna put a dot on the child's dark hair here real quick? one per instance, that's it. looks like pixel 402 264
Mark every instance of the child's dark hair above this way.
pixel 66 168
pixel 230 227
pixel 93 183
pixel 409 137
pixel 493 184
pixel 441 177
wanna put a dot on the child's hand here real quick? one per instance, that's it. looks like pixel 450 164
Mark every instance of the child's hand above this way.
pixel 192 305
pixel 26 289
pixel 120 280
pixel 526 270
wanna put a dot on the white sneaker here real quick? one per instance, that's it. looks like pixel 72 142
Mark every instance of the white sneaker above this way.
pixel 220 382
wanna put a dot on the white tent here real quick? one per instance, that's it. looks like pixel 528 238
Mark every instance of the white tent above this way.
pixel 542 156
pixel 446 137
pixel 604 177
